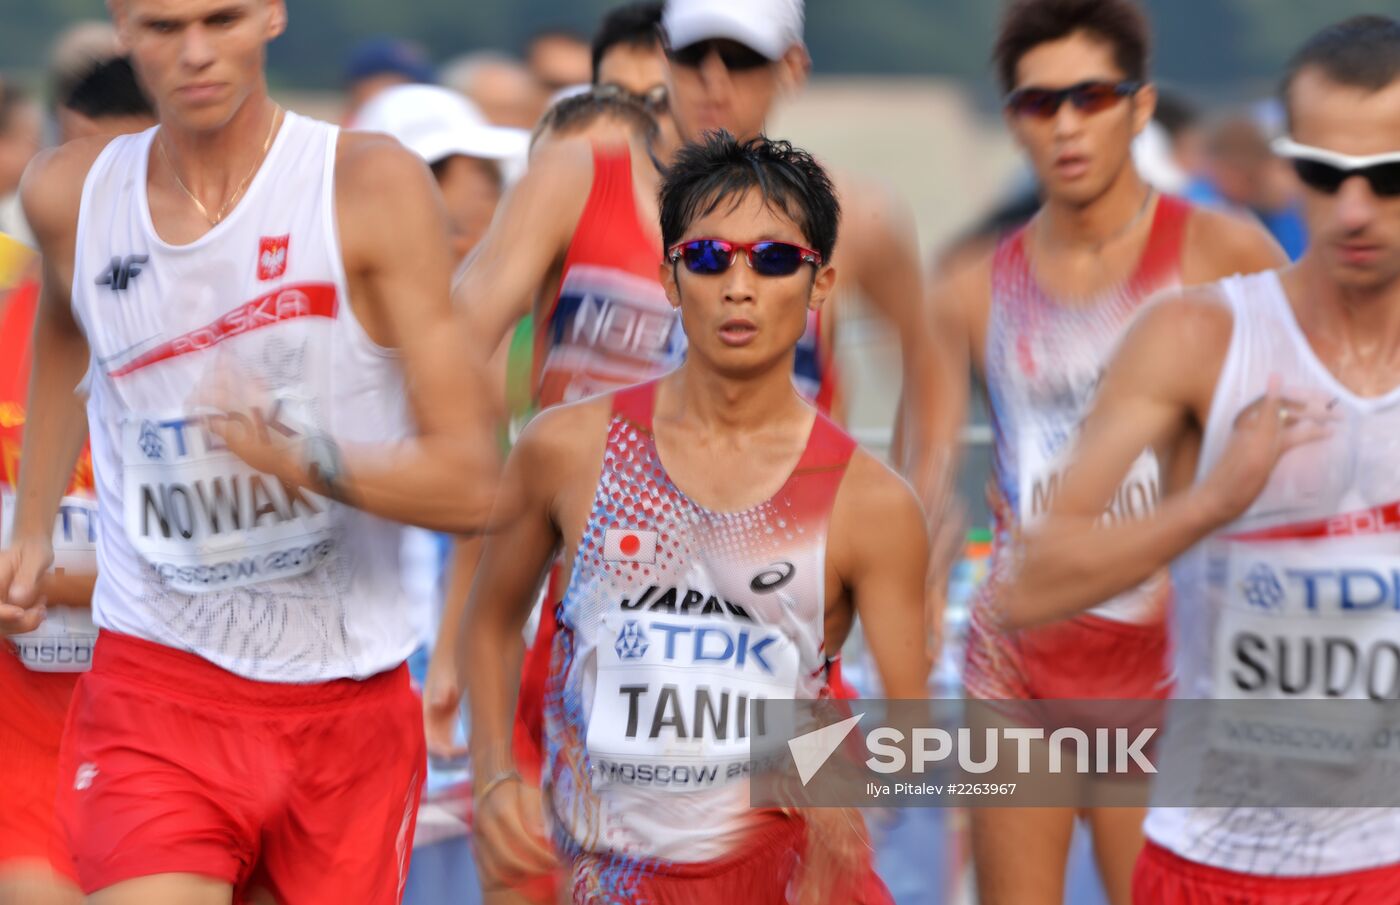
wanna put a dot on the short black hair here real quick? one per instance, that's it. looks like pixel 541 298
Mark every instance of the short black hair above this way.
pixel 579 110
pixel 1027 24
pixel 108 89
pixel 630 25
pixel 1362 52
pixel 719 168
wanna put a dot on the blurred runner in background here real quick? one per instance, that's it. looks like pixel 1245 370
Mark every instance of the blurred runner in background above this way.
pixel 1037 319
pixel 380 63
pixel 558 59
pixel 1274 399
pixel 500 86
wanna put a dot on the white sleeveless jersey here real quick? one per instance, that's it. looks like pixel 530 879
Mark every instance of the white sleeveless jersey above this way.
pixel 677 621
pixel 1045 357
pixel 196 550
pixel 1298 599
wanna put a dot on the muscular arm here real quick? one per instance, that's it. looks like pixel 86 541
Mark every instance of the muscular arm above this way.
pixel 51 192
pixel 951 308
pixel 394 231
pixel 512 566
pixel 529 237
pixel 394 243
pixel 934 473
pixel 890 276
pixel 883 559
pixel 560 450
pixel 1070 562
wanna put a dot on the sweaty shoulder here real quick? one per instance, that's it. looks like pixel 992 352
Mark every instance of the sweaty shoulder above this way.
pixel 960 300
pixel 373 170
pixel 558 440
pixel 966 288
pixel 1220 244
pixel 52 190
pixel 565 160
pixel 875 507
pixel 1194 325
pixel 557 183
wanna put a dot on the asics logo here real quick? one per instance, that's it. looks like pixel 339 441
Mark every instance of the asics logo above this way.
pixel 772 578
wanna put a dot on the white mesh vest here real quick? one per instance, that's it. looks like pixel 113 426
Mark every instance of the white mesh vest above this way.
pixel 1295 600
pixel 196 550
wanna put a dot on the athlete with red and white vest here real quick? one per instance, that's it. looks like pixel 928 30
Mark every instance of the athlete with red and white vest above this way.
pixel 727 64
pixel 261 307
pixel 714 501
pixel 1275 400
pixel 1037 319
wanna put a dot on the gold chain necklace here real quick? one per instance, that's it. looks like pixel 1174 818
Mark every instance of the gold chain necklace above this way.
pixel 242 186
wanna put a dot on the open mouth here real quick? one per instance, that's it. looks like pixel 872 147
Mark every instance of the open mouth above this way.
pixel 737 332
pixel 1071 166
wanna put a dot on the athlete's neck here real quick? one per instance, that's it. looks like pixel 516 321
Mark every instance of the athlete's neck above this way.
pixel 212 163
pixel 1365 323
pixel 722 404
pixel 1110 216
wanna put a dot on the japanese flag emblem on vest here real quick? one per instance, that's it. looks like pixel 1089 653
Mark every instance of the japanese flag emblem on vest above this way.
pixel 627 545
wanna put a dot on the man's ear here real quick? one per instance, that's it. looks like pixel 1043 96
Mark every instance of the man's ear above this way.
pixel 666 274
pixel 277 21
pixel 1144 106
pixel 1013 126
pixel 822 284
pixel 793 69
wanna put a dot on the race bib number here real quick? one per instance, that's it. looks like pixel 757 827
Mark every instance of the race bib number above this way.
pixel 1307 625
pixel 677 698
pixel 63 643
pixel 204 519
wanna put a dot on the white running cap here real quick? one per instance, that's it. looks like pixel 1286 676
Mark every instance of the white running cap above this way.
pixel 767 26
pixel 436 123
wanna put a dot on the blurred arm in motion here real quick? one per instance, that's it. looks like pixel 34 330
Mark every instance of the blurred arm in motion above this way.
pixel 51 193
pixel 394 238
pixel 956 317
pixel 553 466
pixel 498 285
pixel 1150 397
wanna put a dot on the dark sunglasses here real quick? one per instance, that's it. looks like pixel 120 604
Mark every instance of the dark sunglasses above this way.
pixel 1087 97
pixel 1325 171
pixel 654 101
pixel 713 256
pixel 736 57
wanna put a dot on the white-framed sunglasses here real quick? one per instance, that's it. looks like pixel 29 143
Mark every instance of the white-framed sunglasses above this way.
pixel 1325 171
